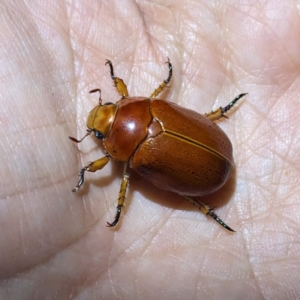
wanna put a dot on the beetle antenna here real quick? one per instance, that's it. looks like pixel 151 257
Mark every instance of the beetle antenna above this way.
pixel 208 211
pixel 96 91
pixel 79 141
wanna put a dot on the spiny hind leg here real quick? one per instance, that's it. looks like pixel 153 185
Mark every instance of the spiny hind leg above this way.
pixel 219 113
pixel 208 211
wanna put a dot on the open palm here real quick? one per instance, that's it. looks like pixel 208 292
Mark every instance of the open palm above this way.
pixel 54 244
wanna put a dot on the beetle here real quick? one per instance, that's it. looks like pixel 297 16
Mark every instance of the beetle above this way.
pixel 174 148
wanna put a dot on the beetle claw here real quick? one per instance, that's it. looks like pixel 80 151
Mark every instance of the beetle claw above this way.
pixel 231 104
pixel 208 211
pixel 216 218
pixel 81 180
pixel 117 217
pixel 112 75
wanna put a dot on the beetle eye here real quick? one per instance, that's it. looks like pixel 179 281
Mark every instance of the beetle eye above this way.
pixel 99 135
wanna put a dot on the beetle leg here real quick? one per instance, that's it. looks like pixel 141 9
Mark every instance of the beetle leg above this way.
pixel 121 199
pixel 208 211
pixel 165 82
pixel 219 113
pixel 119 83
pixel 92 167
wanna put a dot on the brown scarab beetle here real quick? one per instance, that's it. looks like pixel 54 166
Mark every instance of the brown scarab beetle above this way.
pixel 172 147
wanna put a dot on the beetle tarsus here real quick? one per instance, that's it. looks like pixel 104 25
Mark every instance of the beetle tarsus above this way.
pixel 216 218
pixel 170 71
pixel 117 217
pixel 122 193
pixel 231 104
pixel 91 167
pixel 208 211
pixel 118 82
pixel 220 112
pixel 165 82
pixel 112 75
pixel 81 179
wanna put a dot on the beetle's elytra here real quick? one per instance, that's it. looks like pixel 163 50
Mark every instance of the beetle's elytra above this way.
pixel 172 147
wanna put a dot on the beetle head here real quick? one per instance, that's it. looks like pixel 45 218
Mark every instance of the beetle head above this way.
pixel 101 118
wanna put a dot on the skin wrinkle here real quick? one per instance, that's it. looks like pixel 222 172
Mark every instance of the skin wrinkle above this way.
pixel 258 286
pixel 158 227
pixel 119 257
pixel 31 268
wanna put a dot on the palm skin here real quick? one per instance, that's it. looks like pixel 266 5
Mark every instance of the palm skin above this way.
pixel 54 244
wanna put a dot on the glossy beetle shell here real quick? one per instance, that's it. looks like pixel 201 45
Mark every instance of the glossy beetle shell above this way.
pixel 172 147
